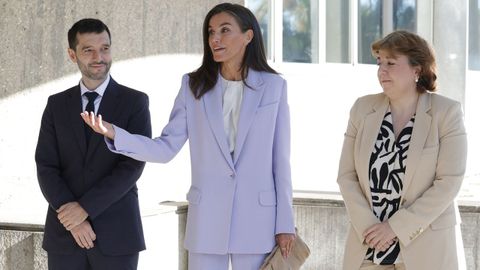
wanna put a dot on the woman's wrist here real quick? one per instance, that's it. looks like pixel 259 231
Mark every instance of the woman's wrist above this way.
pixel 110 132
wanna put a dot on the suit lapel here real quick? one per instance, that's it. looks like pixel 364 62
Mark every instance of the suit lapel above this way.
pixel 252 95
pixel 371 127
pixel 74 108
pixel 213 108
pixel 421 128
pixel 108 107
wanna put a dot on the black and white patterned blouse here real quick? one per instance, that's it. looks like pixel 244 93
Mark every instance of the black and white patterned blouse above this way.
pixel 386 173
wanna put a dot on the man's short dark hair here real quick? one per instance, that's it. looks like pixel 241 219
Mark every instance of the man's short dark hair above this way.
pixel 87 25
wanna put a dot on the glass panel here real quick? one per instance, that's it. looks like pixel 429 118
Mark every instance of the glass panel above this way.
pixel 474 36
pixel 378 18
pixel 338 29
pixel 404 15
pixel 369 28
pixel 300 31
pixel 262 10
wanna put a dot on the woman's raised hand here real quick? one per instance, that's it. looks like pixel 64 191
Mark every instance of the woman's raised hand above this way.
pixel 98 125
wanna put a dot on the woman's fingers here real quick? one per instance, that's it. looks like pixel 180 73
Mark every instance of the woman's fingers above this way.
pixel 85 118
pixel 290 246
pixel 95 122
pixel 91 115
pixel 285 242
pixel 103 126
pixel 375 242
pixel 379 235
pixel 89 118
pixel 371 238
pixel 100 124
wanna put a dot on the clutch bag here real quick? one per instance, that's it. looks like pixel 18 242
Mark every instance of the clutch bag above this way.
pixel 297 257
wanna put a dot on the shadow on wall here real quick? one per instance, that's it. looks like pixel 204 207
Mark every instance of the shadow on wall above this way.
pixel 34 34
pixel 19 251
pixel 158 76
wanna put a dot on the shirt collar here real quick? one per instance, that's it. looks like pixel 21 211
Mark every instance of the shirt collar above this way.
pixel 100 89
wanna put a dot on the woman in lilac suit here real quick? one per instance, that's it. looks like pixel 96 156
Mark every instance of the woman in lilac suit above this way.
pixel 234 112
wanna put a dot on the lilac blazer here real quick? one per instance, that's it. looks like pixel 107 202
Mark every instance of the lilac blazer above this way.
pixel 237 203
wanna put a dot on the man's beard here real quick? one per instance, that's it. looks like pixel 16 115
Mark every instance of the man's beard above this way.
pixel 95 76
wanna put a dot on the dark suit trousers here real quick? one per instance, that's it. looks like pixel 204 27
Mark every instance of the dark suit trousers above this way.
pixel 92 259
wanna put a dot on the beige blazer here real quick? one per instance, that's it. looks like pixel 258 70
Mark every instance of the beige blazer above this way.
pixel 427 222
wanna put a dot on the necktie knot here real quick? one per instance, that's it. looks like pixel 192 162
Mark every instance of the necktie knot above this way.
pixel 91 96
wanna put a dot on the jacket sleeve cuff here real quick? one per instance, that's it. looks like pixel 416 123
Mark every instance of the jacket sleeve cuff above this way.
pixel 404 227
pixel 112 145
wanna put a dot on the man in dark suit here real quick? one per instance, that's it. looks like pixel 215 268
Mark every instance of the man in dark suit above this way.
pixel 93 219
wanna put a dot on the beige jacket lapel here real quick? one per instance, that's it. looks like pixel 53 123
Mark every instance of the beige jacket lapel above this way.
pixel 421 129
pixel 371 127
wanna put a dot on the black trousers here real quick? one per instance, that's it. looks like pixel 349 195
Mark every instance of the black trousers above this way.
pixel 92 259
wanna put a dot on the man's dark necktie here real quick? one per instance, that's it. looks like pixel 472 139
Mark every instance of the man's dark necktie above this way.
pixel 91 96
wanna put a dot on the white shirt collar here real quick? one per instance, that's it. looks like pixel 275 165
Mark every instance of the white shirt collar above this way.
pixel 100 89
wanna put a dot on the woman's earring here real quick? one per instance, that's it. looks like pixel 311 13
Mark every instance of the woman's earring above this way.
pixel 416 79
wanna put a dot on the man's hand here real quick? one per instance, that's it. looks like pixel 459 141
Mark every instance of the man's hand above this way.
pixel 71 215
pixel 98 125
pixel 84 235
pixel 380 236
pixel 285 242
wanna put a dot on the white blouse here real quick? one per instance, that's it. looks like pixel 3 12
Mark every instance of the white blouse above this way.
pixel 232 101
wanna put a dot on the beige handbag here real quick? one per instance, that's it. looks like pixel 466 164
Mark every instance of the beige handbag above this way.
pixel 298 255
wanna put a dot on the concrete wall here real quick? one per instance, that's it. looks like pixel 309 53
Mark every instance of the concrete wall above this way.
pixel 34 34
pixel 21 248
pixel 321 220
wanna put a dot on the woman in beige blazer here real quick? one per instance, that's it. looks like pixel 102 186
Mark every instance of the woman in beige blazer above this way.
pixel 402 165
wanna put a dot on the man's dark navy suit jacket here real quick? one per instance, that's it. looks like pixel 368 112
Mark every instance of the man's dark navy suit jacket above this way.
pixel 102 182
